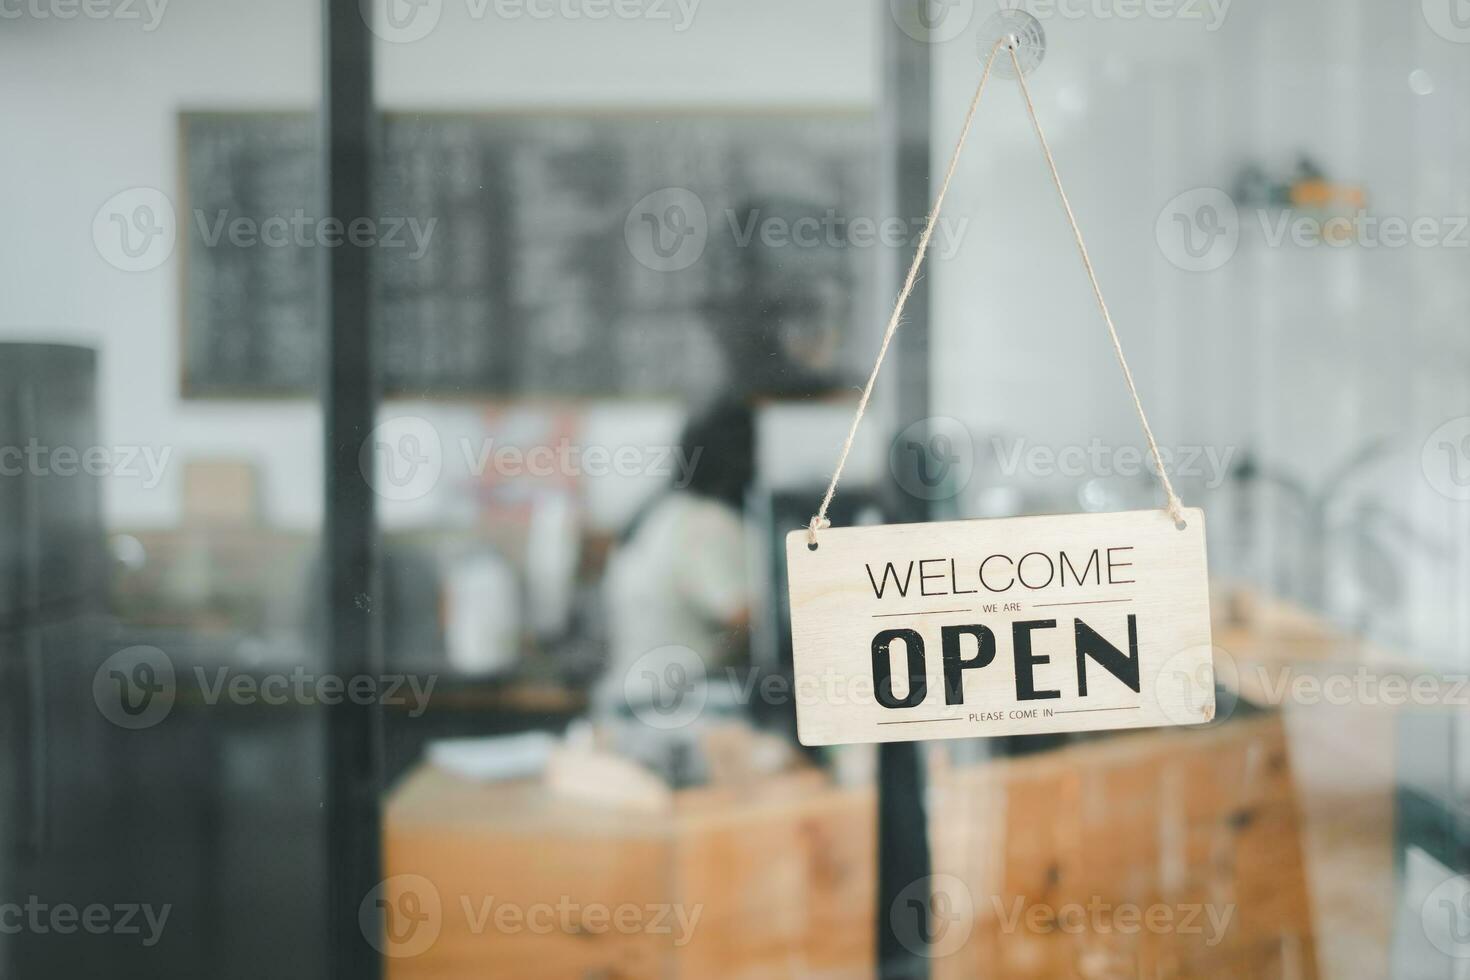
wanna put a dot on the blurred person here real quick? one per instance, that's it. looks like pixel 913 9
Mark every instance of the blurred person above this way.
pixel 677 592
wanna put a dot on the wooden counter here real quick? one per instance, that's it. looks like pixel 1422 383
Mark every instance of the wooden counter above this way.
pixel 1285 815
pixel 779 875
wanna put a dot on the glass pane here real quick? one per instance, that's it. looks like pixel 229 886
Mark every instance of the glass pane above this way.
pixel 642 303
pixel 1247 179
pixel 628 265
pixel 160 748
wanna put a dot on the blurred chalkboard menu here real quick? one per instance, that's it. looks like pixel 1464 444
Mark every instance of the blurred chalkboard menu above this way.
pixel 563 255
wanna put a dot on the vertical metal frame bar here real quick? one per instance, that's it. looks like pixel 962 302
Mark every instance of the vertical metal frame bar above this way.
pixel 349 532
pixel 903 135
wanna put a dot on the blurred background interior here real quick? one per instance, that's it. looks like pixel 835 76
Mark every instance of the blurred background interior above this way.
pixel 539 444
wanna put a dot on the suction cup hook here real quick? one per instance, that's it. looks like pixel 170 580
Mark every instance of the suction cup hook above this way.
pixel 1021 31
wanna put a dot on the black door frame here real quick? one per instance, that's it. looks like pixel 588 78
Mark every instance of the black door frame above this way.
pixel 903 138
pixel 353 639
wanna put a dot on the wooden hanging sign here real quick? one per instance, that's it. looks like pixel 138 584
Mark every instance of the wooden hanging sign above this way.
pixel 1000 627
pixel 1015 626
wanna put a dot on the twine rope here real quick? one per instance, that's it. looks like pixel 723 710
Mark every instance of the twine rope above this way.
pixel 1174 506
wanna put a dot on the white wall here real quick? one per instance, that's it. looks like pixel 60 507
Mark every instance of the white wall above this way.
pixel 1301 355
pixel 1025 352
pixel 91 109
